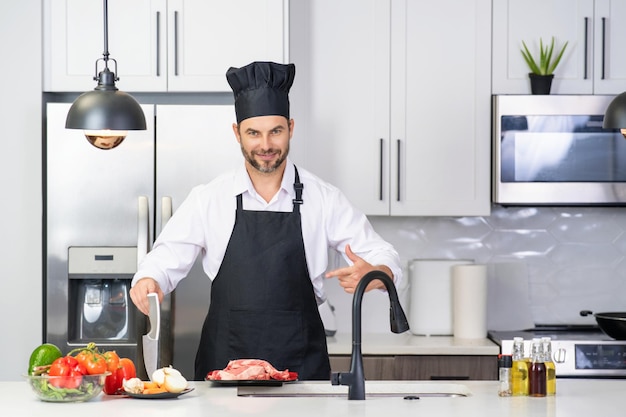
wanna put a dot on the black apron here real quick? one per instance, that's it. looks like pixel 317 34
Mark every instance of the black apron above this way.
pixel 262 301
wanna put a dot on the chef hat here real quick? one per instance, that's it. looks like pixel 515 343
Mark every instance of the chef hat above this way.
pixel 261 89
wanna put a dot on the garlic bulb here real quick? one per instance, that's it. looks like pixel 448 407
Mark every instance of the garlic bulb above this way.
pixel 133 385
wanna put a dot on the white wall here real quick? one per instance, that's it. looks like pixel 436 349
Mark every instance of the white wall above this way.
pixel 20 184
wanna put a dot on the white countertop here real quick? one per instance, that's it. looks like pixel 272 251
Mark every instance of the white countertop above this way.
pixel 408 344
pixel 575 398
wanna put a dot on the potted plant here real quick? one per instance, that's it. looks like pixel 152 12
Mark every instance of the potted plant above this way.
pixel 542 69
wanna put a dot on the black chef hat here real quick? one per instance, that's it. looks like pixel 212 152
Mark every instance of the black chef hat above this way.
pixel 261 89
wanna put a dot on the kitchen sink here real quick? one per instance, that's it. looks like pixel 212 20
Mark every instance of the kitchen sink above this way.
pixel 408 389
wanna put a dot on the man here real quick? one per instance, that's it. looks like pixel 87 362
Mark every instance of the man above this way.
pixel 263 232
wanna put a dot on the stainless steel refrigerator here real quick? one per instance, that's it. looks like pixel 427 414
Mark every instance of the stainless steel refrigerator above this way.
pixel 103 209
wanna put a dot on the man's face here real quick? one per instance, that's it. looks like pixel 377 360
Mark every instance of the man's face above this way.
pixel 264 141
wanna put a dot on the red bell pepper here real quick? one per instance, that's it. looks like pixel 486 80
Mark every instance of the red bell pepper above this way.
pixel 125 370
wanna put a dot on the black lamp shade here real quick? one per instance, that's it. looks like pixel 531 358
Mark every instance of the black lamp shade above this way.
pixel 615 114
pixel 105 109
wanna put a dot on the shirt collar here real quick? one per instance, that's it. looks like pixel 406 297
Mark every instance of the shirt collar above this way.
pixel 243 184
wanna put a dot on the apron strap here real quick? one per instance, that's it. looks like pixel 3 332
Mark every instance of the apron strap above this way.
pixel 297 186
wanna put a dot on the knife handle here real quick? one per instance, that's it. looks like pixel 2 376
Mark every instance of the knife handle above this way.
pixel 155 316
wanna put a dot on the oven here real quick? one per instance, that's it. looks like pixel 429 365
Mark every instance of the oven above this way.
pixel 578 351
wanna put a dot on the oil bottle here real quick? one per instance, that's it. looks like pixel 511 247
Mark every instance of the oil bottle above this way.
pixel 519 371
pixel 537 371
pixel 550 366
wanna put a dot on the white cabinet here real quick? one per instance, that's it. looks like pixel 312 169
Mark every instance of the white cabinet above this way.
pixel 160 45
pixel 594 61
pixel 395 108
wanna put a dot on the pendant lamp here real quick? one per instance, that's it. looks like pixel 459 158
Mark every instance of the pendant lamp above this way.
pixel 615 114
pixel 105 114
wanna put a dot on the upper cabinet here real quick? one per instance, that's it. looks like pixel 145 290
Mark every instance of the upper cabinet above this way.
pixel 160 45
pixel 392 105
pixel 595 58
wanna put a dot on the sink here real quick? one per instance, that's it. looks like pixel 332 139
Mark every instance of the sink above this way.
pixel 410 389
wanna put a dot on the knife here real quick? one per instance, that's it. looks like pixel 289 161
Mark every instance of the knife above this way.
pixel 151 340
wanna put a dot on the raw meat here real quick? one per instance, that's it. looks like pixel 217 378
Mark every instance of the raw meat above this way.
pixel 250 369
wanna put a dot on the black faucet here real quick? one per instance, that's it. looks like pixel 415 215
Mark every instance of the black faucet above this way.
pixel 355 379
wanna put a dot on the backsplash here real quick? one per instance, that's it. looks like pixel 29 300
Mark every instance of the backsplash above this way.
pixel 575 257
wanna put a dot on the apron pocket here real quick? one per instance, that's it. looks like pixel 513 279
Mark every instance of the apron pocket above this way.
pixel 275 336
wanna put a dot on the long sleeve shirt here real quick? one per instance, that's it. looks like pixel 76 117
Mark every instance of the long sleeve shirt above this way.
pixel 203 223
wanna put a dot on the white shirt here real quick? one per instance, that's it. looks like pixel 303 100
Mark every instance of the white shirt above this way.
pixel 203 223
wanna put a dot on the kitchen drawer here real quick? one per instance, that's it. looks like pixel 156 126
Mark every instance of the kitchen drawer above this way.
pixel 374 367
pixel 423 367
pixel 446 367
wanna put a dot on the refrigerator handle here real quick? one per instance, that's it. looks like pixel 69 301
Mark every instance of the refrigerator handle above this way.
pixel 166 210
pixel 143 228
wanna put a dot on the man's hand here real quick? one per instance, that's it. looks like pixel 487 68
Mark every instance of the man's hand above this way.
pixel 350 276
pixel 139 293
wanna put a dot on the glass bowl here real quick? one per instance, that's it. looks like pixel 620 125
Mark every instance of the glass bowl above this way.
pixel 60 388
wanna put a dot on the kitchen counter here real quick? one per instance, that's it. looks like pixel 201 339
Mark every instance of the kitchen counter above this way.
pixel 575 398
pixel 409 344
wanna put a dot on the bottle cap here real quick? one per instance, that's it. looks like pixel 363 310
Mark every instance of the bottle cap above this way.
pixel 505 361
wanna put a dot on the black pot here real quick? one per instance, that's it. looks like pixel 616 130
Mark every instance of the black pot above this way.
pixel 613 324
pixel 540 84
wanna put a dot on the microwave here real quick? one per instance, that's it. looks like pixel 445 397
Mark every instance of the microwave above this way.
pixel 552 150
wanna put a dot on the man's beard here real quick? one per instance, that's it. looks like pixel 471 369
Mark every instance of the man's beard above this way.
pixel 265 168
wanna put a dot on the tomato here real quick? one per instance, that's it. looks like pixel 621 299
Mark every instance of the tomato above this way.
pixel 71 371
pixel 112 360
pixel 125 370
pixel 81 357
pixel 94 362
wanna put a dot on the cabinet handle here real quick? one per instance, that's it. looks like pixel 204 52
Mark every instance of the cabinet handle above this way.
pixel 603 45
pixel 449 378
pixel 586 46
pixel 380 176
pixel 176 43
pixel 398 196
pixel 158 44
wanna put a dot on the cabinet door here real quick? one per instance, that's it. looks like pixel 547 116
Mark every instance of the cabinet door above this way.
pixel 206 37
pixel 74 40
pixel 340 99
pixel 440 107
pixel 609 46
pixel 515 21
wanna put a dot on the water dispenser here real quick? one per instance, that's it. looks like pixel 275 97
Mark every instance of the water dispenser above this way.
pixel 100 309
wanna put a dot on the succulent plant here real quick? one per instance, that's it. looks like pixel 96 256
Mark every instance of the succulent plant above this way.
pixel 547 62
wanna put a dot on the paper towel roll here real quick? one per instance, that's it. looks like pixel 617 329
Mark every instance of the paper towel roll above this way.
pixel 469 301
pixel 430 307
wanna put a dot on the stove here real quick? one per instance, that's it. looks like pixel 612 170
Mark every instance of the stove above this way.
pixel 577 351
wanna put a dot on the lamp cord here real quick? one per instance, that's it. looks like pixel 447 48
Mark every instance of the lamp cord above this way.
pixel 105 54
